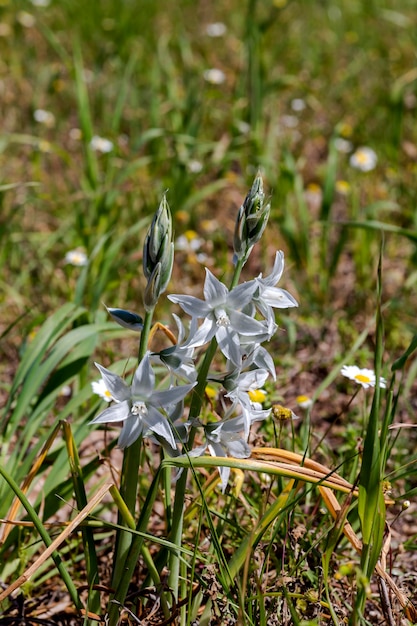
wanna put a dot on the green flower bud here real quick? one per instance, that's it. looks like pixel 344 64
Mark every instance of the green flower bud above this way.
pixel 152 291
pixel 251 220
pixel 127 319
pixel 158 254
pixel 158 238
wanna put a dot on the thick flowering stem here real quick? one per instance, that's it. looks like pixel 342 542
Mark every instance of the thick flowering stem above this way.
pixel 195 410
pixel 132 554
pixel 130 473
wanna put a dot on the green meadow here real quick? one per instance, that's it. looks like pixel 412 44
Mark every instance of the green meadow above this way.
pixel 245 451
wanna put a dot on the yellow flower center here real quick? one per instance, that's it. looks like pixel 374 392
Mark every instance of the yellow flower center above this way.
pixel 362 157
pixel 258 395
pixel 301 399
pixel 362 378
pixel 190 235
pixel 342 186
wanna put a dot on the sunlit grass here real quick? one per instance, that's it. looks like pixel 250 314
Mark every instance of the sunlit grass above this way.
pixel 106 107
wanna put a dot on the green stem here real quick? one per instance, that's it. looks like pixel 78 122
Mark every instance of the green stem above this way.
pixel 195 410
pixel 132 554
pixel 130 475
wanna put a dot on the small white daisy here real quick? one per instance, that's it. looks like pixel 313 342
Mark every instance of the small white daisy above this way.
pixel 342 187
pixel 364 159
pixel 25 19
pixel 298 104
pixel 364 376
pixel 289 121
pixel 65 391
pixel 214 76
pixel 99 388
pixel 100 144
pixel 189 242
pixel 304 402
pixel 194 166
pixel 44 117
pixel 217 29
pixel 76 257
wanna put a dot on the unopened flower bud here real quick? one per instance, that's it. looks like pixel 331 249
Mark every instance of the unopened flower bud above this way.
pixel 251 220
pixel 127 319
pixel 152 291
pixel 158 254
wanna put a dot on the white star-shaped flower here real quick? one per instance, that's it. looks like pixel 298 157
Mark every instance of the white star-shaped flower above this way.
pixel 138 406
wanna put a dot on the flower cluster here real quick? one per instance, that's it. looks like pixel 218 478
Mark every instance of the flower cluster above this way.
pixel 235 321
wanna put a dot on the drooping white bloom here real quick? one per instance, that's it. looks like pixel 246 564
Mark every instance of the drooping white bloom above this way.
pixel 223 317
pixel 241 391
pixel 224 439
pixel 27 20
pixel 76 257
pixel 365 377
pixel 255 354
pixel 138 406
pixel 289 121
pixel 364 159
pixel 100 144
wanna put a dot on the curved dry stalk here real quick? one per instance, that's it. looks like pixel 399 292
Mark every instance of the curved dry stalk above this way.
pixel 285 456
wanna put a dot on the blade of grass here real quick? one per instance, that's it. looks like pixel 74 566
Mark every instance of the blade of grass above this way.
pixel 51 546
pixel 91 562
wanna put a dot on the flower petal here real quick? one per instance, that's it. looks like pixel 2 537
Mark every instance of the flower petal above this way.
pixel 278 298
pixel 116 413
pixel 245 325
pixel 158 424
pixel 191 305
pixel 214 291
pixel 275 276
pixel 203 335
pixel 239 449
pixel 144 379
pixel 229 344
pixel 170 396
pixel 241 295
pixel 116 386
pixel 132 429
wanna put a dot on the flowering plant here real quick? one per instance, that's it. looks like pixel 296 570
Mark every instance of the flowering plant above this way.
pixel 232 321
pixel 236 320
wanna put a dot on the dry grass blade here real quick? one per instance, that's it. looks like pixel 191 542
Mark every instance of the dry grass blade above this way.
pixel 305 466
pixel 58 541
pixel 27 482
